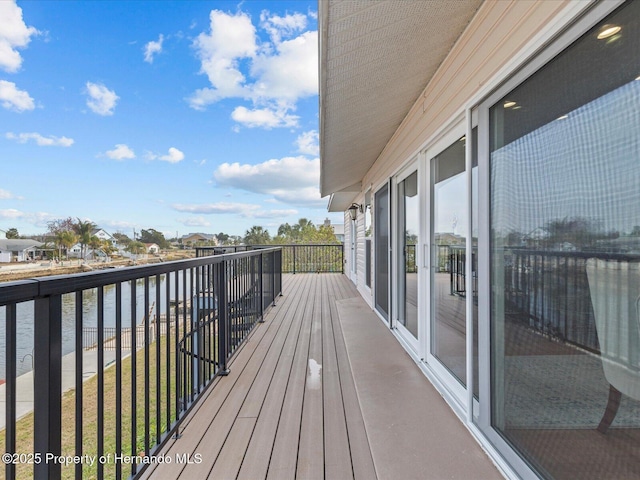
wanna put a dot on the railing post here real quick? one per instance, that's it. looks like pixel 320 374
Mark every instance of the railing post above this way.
pixel 11 389
pixel 47 376
pixel 294 259
pixel 342 257
pixel 223 318
pixel 261 286
pixel 273 278
pixel 279 271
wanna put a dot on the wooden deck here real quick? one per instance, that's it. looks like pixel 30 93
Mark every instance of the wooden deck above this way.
pixel 291 408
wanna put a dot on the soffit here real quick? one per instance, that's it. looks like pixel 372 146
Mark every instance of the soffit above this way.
pixel 376 58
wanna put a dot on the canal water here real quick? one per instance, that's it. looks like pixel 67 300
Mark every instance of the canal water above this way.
pixel 25 318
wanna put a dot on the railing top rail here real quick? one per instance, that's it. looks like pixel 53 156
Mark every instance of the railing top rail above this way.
pixel 17 291
pixel 573 254
pixel 271 246
pixel 25 290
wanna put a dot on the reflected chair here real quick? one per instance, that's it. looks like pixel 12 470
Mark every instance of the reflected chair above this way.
pixel 615 295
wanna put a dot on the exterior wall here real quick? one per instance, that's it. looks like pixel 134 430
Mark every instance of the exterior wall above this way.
pixel 500 31
pixel 497 33
pixel 360 280
pixel 503 36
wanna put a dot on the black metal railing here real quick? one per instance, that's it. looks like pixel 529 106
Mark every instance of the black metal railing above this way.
pixel 296 258
pixel 410 263
pixel 192 315
pixel 550 291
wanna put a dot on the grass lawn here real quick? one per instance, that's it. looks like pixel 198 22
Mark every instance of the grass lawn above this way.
pixel 25 427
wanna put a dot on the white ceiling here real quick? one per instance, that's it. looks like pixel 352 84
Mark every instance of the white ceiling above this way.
pixel 376 58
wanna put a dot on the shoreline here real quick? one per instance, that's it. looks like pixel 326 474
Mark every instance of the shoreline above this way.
pixel 10 272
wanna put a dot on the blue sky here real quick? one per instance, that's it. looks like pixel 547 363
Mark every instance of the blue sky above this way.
pixel 180 116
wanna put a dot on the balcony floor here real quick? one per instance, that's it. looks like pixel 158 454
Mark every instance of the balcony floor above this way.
pixel 323 390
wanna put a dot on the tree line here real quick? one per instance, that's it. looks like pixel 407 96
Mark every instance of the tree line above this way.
pixel 303 232
pixel 64 233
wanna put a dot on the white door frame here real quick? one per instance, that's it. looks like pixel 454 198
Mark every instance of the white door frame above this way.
pixel 457 130
pixel 397 236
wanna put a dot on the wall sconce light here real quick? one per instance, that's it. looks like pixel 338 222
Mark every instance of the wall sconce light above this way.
pixel 353 211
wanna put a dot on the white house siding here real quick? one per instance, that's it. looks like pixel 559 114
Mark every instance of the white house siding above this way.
pixel 497 33
pixel 360 280
pixel 502 37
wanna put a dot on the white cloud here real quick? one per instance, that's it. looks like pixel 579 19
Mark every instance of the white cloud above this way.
pixel 121 152
pixel 246 210
pixel 101 100
pixel 291 72
pixel 174 156
pixel 275 213
pixel 42 141
pixel 308 143
pixel 153 48
pixel 264 117
pixel 243 209
pixel 13 98
pixel 280 71
pixel 14 34
pixel 279 27
pixel 118 224
pixel 291 180
pixel 6 195
pixel 39 219
pixel 309 196
pixel 195 222
pixel 231 39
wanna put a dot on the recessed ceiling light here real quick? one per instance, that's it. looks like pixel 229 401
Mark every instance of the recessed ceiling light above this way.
pixel 608 31
pixel 509 104
pixel 562 117
pixel 638 77
pixel 462 139
pixel 517 107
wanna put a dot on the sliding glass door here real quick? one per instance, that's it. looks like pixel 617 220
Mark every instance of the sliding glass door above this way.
pixel 408 227
pixel 382 244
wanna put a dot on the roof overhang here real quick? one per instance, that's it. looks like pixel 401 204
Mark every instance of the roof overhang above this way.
pixel 340 201
pixel 376 58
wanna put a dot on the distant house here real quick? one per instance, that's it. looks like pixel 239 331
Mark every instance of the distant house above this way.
pixel 19 250
pixel 104 235
pixel 152 248
pixel 199 239
pixel 338 230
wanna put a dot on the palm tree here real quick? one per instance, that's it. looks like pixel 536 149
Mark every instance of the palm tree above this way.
pixel 95 243
pixel 83 230
pixel 257 236
pixel 66 239
pixel 136 248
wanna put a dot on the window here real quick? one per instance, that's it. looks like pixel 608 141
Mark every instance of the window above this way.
pixel 565 256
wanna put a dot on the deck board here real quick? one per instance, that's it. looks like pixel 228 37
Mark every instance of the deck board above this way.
pixel 258 453
pixel 275 416
pixel 336 439
pixel 361 458
pixel 283 461
pixel 310 463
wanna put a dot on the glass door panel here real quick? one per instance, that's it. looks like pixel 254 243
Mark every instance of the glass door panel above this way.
pixel 448 304
pixel 408 227
pixel 381 229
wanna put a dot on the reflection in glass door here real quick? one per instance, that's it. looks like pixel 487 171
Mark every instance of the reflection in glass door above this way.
pixel 381 227
pixel 408 224
pixel 448 304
